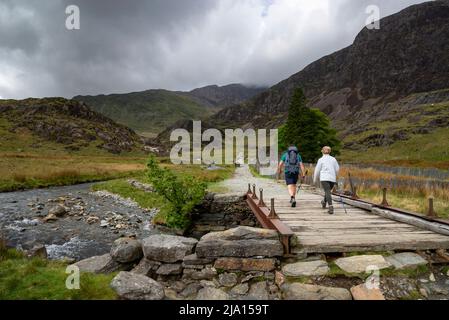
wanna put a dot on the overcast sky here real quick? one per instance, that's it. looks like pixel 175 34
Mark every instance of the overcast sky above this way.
pixel 125 46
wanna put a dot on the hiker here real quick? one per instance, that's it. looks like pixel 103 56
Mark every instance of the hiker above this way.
pixel 327 171
pixel 292 162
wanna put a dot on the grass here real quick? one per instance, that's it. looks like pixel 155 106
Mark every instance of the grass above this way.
pixel 153 200
pixel 39 279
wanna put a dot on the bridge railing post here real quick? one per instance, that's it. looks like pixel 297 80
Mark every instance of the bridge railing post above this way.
pixel 254 192
pixel 431 213
pixel 272 214
pixel 261 203
pixel 384 200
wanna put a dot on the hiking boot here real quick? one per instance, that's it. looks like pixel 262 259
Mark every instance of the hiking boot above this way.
pixel 331 209
pixel 323 204
pixel 293 203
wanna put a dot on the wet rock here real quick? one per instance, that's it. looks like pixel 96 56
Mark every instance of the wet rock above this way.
pixel 258 291
pixel 146 267
pixel 169 269
pixel 299 291
pixel 362 292
pixel 50 218
pixel 132 286
pixel 59 211
pixel 209 293
pixel 306 269
pixel 245 264
pixel 99 264
pixel 167 248
pixel 240 289
pixel 228 279
pixel 126 250
pixel 406 260
pixel 241 242
pixel 360 264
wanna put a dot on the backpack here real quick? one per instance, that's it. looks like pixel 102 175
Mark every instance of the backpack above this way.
pixel 292 163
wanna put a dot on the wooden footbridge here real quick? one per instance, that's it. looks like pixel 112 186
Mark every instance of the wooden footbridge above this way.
pixel 355 226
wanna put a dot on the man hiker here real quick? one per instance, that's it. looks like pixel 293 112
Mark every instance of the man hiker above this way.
pixel 327 171
pixel 292 162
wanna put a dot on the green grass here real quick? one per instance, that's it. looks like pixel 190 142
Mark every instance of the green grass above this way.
pixel 38 279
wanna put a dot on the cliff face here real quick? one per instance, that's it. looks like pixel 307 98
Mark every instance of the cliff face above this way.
pixel 409 54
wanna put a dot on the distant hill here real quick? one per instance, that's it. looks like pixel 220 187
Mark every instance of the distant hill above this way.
pixel 150 112
pixel 389 87
pixel 62 124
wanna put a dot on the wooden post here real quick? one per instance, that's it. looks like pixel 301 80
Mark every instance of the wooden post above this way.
pixel 261 203
pixel 254 192
pixel 272 211
pixel 431 212
pixel 385 201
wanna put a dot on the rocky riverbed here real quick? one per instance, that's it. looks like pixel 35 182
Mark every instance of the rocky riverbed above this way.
pixel 72 222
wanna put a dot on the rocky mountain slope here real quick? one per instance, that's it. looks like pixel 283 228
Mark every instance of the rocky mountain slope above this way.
pixel 149 112
pixel 392 77
pixel 68 123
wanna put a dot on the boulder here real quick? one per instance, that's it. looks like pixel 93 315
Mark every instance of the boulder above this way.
pixel 58 211
pixel 210 293
pixel 361 264
pixel 245 264
pixel 167 248
pixel 241 242
pixel 228 279
pixel 406 260
pixel 126 250
pixel 146 267
pixel 169 269
pixel 306 269
pixel 132 286
pixel 361 292
pixel 99 264
pixel 299 291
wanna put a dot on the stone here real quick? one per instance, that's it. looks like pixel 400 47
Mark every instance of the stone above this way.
pixel 99 264
pixel 171 294
pixel 306 269
pixel 258 291
pixel 241 242
pixel 168 248
pixel 132 286
pixel 178 286
pixel 447 273
pixel 240 289
pixel 38 250
pixel 193 260
pixel 361 292
pixel 191 290
pixel 245 264
pixel 146 267
pixel 209 293
pixel 228 279
pixel 253 275
pixel 126 250
pixel 204 274
pixel 432 278
pixel 207 283
pixel 50 218
pixel 92 220
pixel 58 211
pixel 279 278
pixel 406 260
pixel 104 224
pixel 299 291
pixel 360 264
pixel 424 292
pixel 169 269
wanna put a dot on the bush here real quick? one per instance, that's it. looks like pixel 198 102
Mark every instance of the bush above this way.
pixel 182 192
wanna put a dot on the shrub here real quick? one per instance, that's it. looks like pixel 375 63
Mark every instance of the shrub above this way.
pixel 182 192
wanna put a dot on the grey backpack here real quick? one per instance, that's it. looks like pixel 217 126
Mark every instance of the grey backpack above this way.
pixel 292 163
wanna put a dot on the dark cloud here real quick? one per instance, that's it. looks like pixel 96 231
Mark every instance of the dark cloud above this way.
pixel 135 45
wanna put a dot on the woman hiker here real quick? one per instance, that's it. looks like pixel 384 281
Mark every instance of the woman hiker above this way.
pixel 292 162
pixel 327 171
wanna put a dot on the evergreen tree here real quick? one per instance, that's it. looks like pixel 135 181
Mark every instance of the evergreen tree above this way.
pixel 308 129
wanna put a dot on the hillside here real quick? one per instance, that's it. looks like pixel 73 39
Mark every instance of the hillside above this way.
pixel 60 124
pixel 388 86
pixel 150 112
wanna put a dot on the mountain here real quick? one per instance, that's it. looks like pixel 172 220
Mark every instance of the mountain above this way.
pixel 388 86
pixel 149 112
pixel 63 124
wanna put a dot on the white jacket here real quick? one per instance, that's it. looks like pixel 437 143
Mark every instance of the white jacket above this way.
pixel 327 169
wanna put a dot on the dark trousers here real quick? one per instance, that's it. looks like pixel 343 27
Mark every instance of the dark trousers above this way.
pixel 328 186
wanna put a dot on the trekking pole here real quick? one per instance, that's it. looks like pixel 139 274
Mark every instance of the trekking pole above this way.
pixel 299 188
pixel 343 204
